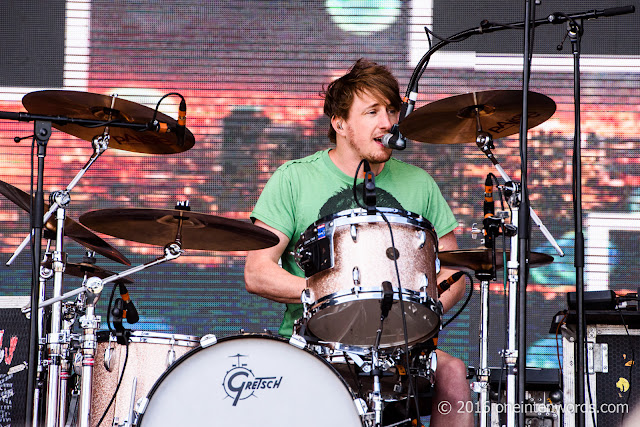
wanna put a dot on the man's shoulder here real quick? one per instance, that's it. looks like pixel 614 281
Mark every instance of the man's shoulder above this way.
pixel 313 159
pixel 398 165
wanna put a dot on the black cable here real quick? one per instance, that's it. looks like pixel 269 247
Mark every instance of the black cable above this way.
pixel 464 305
pixel 633 361
pixel 155 112
pixel 412 389
pixel 115 393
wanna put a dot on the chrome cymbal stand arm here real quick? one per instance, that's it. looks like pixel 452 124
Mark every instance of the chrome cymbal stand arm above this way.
pixel 55 338
pixel 90 323
pixel 485 143
pixel 172 251
pixel 100 144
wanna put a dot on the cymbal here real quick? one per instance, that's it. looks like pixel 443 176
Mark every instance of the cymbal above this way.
pixel 72 229
pixel 453 120
pixel 199 231
pixel 84 268
pixel 93 106
pixel 479 260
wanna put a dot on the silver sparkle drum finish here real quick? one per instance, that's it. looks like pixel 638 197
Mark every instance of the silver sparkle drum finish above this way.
pixel 150 354
pixel 251 380
pixel 347 256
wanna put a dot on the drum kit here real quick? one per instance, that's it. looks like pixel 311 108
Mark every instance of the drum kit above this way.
pixel 364 346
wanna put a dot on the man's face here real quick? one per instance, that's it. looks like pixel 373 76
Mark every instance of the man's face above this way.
pixel 369 119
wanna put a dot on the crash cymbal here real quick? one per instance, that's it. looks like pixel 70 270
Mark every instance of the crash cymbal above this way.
pixel 72 229
pixel 199 231
pixel 453 120
pixel 93 106
pixel 90 270
pixel 479 260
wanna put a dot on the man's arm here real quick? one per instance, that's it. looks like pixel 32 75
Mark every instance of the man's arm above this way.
pixel 450 297
pixel 263 276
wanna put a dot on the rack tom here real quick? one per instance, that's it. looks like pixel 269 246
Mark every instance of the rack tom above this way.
pixel 348 256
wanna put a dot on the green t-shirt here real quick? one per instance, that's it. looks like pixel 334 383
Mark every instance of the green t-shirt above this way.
pixel 302 191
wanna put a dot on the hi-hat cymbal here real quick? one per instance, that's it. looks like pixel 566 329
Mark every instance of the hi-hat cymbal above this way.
pixel 93 106
pixel 90 270
pixel 199 231
pixel 72 229
pixel 453 120
pixel 479 260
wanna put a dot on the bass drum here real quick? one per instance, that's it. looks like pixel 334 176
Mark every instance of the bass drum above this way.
pixel 249 380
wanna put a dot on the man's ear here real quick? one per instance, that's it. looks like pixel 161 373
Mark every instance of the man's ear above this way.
pixel 337 123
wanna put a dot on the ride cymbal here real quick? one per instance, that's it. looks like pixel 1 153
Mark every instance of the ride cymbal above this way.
pixel 160 226
pixel 72 229
pixel 479 260
pixel 93 106
pixel 453 120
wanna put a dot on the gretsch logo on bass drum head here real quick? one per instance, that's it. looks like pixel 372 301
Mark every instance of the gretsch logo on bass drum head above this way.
pixel 240 383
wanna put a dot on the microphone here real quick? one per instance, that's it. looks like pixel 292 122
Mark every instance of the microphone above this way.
pixel 130 312
pixel 446 284
pixel 489 211
pixel 559 18
pixel 387 299
pixel 369 189
pixel 182 122
pixel 394 139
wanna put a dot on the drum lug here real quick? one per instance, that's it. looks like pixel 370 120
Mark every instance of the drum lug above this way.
pixel 208 340
pixel 355 274
pixel 171 354
pixel 141 406
pixel 108 355
pixel 437 262
pixel 298 341
pixel 422 239
pixel 361 406
pixel 424 297
pixel 354 233
pixel 307 296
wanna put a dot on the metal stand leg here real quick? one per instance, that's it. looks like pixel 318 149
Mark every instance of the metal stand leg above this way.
pixel 482 386
pixel 90 323
pixel 511 354
pixel 56 338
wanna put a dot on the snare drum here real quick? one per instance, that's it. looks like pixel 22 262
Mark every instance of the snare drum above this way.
pixel 347 256
pixel 251 380
pixel 150 354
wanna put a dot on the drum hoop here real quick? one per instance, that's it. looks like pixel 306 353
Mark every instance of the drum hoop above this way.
pixel 155 338
pixel 357 216
pixel 367 293
pixel 174 366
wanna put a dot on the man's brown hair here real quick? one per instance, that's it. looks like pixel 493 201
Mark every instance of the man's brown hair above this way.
pixel 364 76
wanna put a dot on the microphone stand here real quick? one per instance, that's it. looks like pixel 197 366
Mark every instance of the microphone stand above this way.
pixel 524 226
pixel 42 132
pixel 575 32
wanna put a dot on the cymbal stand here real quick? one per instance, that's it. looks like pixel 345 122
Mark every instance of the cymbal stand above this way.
pixel 482 373
pixel 100 144
pixel 90 324
pixel 56 338
pixel 484 141
pixel 172 251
